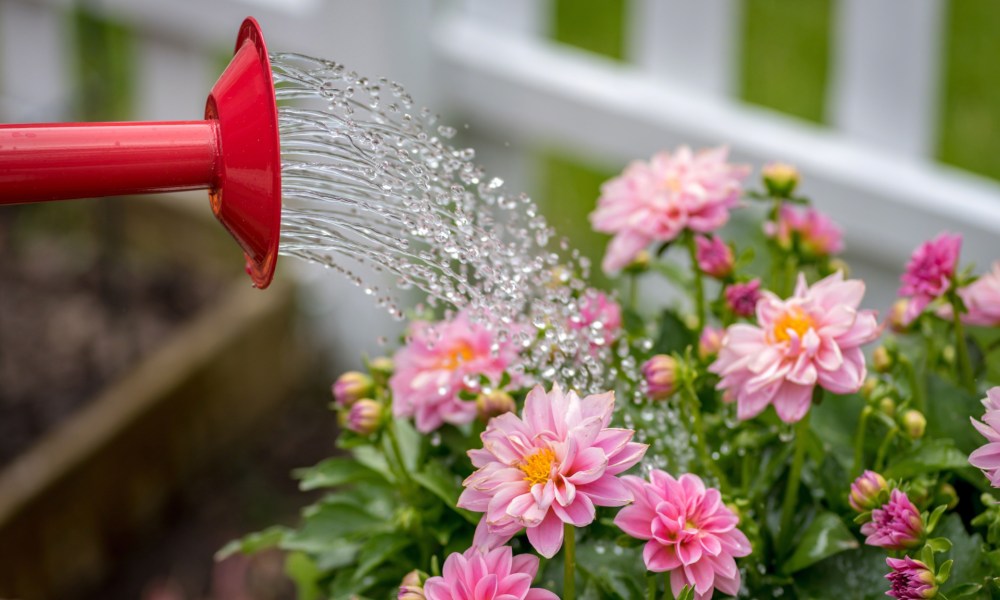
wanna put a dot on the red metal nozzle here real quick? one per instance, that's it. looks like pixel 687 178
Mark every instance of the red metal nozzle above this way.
pixel 234 153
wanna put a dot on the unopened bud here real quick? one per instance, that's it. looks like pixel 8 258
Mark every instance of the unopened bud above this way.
pixel 881 359
pixel 660 374
pixel 888 406
pixel 897 316
pixel 494 403
pixel 351 387
pixel 412 586
pixel 639 264
pixel 710 341
pixel 868 388
pixel 364 417
pixel 780 179
pixel 914 424
pixel 383 365
pixel 867 491
pixel 948 495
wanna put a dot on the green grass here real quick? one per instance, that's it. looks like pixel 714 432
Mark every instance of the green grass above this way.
pixel 594 25
pixel 785 55
pixel 104 52
pixel 970 117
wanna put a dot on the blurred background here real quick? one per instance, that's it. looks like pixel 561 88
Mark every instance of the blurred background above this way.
pixel 133 354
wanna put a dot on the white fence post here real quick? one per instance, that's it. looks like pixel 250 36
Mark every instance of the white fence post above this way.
pixel 885 68
pixel 691 42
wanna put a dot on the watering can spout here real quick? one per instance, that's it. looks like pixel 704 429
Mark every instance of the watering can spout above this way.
pixel 234 153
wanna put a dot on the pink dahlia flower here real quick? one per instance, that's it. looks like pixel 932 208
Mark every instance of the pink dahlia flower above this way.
pixel 655 201
pixel 690 532
pixel 600 315
pixel 742 298
pixel 895 526
pixel 714 256
pixel 987 457
pixel 982 300
pixel 551 466
pixel 493 575
pixel 817 234
pixel 813 338
pixel 910 579
pixel 929 272
pixel 436 365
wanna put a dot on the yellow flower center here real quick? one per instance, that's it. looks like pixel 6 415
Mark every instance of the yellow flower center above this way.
pixel 795 320
pixel 674 183
pixel 459 354
pixel 538 466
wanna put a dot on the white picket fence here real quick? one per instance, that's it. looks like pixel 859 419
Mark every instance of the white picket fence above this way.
pixel 490 63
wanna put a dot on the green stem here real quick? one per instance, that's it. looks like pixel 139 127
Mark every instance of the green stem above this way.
pixel 699 288
pixel 859 441
pixel 633 291
pixel 884 448
pixel 569 556
pixel 397 454
pixel 794 478
pixel 699 432
pixel 918 393
pixel 651 587
pixel 961 350
pixel 668 594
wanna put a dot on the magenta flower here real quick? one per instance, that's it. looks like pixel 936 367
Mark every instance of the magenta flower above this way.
pixel 817 234
pixel 656 201
pixel 910 579
pixel 813 338
pixel 601 315
pixel 551 466
pixel 929 272
pixel 714 256
pixel 690 532
pixel 742 298
pixel 895 526
pixel 865 491
pixel 437 364
pixel 493 575
pixel 987 457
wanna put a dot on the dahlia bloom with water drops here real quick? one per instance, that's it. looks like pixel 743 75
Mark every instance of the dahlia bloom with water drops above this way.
pixel 599 314
pixel 816 233
pixel 553 465
pixel 439 362
pixel 690 532
pixel 657 200
pixel 493 575
pixel 813 338
pixel 929 273
pixel 910 579
pixel 897 525
pixel 987 457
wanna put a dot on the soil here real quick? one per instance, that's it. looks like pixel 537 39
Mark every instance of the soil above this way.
pixel 78 307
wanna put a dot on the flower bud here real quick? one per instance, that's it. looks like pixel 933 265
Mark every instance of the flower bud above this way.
pixel 383 365
pixel 914 424
pixel 742 298
pixel 868 388
pixel 494 403
pixel 710 341
pixel 639 264
pixel 780 179
pixel 364 417
pixel 866 491
pixel 660 374
pixel 897 316
pixel 910 579
pixel 714 256
pixel 881 360
pixel 412 586
pixel 888 406
pixel 947 495
pixel 351 387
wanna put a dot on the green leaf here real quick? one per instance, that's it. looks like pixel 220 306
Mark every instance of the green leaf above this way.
pixel 333 472
pixel 948 410
pixel 939 544
pixel 409 443
pixel 619 572
pixel 929 457
pixel 305 574
pixel 374 460
pixel 856 574
pixel 966 589
pixel 967 551
pixel 673 336
pixel 945 571
pixel 254 542
pixel 932 521
pixel 825 536
pixel 329 521
pixel 438 480
pixel 379 548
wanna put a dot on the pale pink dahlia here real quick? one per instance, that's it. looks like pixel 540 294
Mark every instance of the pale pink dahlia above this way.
pixel 438 363
pixel 987 457
pixel 493 575
pixel 910 579
pixel 929 272
pixel 600 315
pixel 551 466
pixel 982 299
pixel 714 256
pixel 895 526
pixel 817 234
pixel 813 338
pixel 656 201
pixel 691 532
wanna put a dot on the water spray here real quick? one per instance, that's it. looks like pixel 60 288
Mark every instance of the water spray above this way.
pixel 234 153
